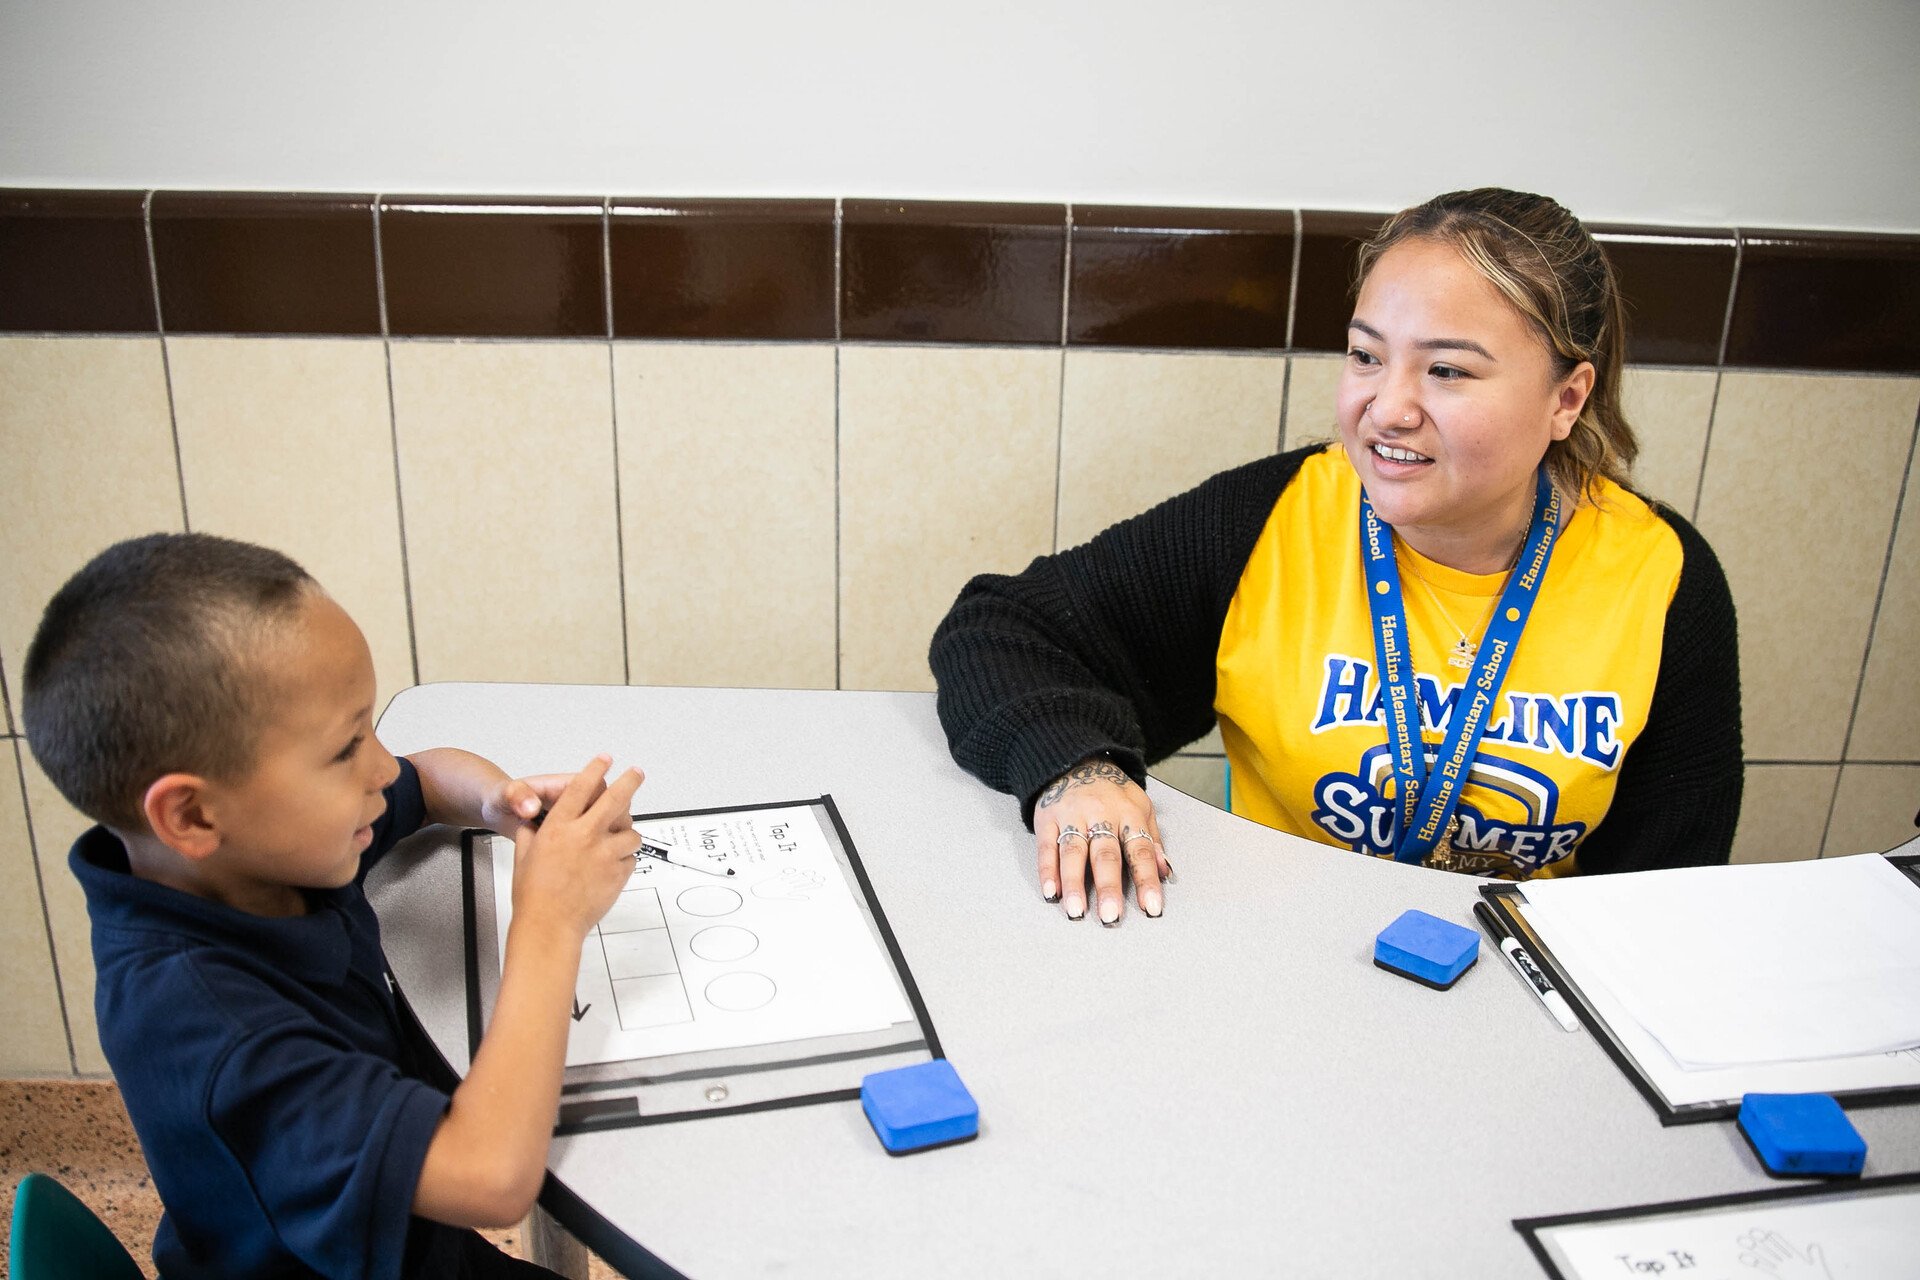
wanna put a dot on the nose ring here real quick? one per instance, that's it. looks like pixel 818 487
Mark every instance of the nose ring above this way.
pixel 1406 419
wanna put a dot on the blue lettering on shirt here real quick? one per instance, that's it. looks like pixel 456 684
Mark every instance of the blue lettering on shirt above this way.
pixel 1583 726
pixel 1356 812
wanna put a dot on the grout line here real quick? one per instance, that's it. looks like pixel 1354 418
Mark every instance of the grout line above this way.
pixel 606 261
pixel 393 437
pixel 1066 275
pixel 1873 625
pixel 6 701
pixel 1720 370
pixel 1223 353
pixel 1833 801
pixel 1293 279
pixel 1706 449
pixel 166 361
pixel 46 915
pixel 1060 386
pixel 1830 764
pixel 1733 294
pixel 613 409
pixel 839 657
pixel 1286 392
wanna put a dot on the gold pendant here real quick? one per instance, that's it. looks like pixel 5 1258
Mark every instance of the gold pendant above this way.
pixel 1462 655
pixel 1444 855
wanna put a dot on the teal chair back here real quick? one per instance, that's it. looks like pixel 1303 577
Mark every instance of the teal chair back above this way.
pixel 56 1237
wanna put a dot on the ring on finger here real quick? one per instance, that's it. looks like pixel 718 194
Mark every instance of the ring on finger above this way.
pixel 1070 833
pixel 1100 829
pixel 1128 837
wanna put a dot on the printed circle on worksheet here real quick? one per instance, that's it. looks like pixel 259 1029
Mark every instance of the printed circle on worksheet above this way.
pixel 740 992
pixel 708 900
pixel 723 942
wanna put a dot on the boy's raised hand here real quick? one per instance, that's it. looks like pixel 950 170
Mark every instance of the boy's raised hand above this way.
pixel 569 870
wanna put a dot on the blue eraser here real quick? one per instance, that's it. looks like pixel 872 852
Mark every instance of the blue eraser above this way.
pixel 925 1105
pixel 1802 1135
pixel 1426 949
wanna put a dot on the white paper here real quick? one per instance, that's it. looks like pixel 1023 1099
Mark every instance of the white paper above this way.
pixel 1856 1234
pixel 1681 1087
pixel 761 945
pixel 1741 965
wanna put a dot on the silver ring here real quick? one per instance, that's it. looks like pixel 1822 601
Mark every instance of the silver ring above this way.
pixel 1138 835
pixel 1099 829
pixel 1070 833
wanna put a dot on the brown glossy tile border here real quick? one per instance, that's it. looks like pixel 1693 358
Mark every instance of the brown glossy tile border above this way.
pixel 749 269
pixel 1323 300
pixel 1676 284
pixel 74 262
pixel 1827 300
pixel 887 271
pixel 466 267
pixel 931 271
pixel 1156 277
pixel 254 263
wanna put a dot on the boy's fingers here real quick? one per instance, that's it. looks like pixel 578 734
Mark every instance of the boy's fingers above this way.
pixel 546 787
pixel 616 804
pixel 582 788
pixel 520 800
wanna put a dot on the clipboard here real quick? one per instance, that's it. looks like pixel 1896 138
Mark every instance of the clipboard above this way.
pixel 1506 901
pixel 1543 1235
pixel 724 1081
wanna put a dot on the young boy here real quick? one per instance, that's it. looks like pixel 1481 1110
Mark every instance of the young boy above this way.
pixel 211 708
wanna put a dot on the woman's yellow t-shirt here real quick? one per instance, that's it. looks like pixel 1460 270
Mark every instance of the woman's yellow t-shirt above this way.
pixel 1300 705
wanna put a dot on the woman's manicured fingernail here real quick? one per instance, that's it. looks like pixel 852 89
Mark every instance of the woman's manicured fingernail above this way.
pixel 1050 891
pixel 1109 913
pixel 1076 908
pixel 1168 877
pixel 1152 903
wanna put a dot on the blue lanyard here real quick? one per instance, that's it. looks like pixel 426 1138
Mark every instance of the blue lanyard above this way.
pixel 1423 819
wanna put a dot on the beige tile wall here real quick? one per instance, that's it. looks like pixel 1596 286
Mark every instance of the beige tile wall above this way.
pixel 1803 474
pixel 1670 410
pixel 859 487
pixel 948 460
pixel 55 826
pixel 1887 726
pixel 1313 383
pixel 289 442
pixel 1783 812
pixel 727 513
pixel 86 459
pixel 36 1039
pixel 507 489
pixel 1137 427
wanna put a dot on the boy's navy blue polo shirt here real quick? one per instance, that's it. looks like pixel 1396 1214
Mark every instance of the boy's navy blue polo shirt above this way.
pixel 264 1068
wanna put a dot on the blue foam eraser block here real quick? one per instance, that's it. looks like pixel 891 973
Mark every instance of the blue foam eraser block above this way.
pixel 1426 949
pixel 925 1105
pixel 1802 1135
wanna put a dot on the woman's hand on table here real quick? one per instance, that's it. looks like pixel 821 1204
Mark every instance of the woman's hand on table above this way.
pixel 1095 816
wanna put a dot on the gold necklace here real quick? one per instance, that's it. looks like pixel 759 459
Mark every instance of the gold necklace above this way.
pixel 1463 653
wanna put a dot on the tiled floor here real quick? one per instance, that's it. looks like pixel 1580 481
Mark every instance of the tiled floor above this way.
pixel 77 1131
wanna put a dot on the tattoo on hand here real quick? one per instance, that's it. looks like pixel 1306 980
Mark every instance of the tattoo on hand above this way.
pixel 1081 775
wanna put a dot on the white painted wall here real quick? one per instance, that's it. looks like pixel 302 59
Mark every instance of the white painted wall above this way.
pixel 1802 113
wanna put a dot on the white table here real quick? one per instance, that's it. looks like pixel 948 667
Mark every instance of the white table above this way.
pixel 1232 1089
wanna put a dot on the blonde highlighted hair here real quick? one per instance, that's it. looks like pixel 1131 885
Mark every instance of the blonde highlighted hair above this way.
pixel 1546 264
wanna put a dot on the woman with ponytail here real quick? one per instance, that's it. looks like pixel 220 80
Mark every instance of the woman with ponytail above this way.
pixel 1454 637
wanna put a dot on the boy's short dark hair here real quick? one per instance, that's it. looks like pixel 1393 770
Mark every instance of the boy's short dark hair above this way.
pixel 147 662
